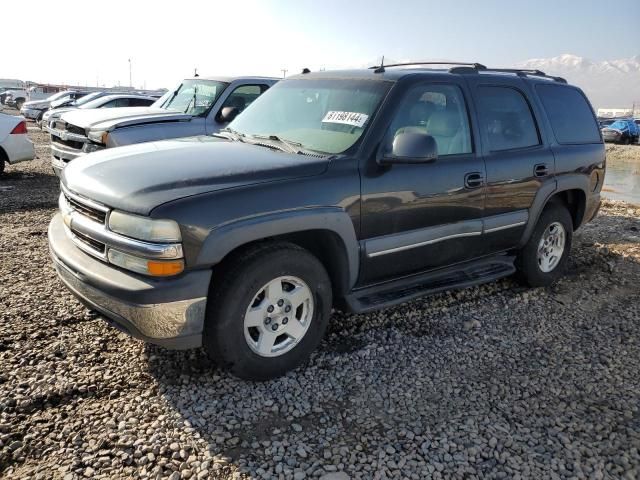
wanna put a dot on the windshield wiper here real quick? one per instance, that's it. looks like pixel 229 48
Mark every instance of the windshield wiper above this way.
pixel 291 147
pixel 232 134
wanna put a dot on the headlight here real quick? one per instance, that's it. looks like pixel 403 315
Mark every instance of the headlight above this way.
pixel 98 136
pixel 144 228
pixel 156 268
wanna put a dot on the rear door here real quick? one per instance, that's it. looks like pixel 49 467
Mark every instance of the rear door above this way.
pixel 516 154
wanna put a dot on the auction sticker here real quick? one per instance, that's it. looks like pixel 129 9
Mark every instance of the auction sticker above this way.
pixel 348 118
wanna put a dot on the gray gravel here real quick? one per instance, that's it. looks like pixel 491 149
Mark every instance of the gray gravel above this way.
pixel 497 381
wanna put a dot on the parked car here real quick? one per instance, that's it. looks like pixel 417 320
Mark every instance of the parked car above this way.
pixel 7 84
pixel 15 98
pixel 351 189
pixel 623 131
pixel 98 100
pixel 197 106
pixel 34 109
pixel 15 145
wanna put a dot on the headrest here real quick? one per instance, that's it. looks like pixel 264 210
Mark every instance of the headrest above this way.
pixel 443 124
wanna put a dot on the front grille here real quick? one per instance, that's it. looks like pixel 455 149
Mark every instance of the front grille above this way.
pixel 74 129
pixel 90 242
pixel 69 143
pixel 93 213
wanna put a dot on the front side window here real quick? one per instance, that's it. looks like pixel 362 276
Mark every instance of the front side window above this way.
pixel 506 117
pixel 194 97
pixel 243 96
pixel 438 110
pixel 322 115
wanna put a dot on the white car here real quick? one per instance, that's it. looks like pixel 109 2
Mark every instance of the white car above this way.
pixel 15 144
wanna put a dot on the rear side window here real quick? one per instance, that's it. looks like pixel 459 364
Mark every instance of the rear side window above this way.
pixel 570 115
pixel 506 118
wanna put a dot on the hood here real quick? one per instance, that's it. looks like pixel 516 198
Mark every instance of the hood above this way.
pixel 57 112
pixel 140 177
pixel 110 118
pixel 36 104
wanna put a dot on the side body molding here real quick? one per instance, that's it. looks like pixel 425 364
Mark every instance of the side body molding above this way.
pixel 226 237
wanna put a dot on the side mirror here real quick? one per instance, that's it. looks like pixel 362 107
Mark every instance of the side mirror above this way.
pixel 411 147
pixel 227 114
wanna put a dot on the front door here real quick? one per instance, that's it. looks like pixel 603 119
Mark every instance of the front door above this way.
pixel 424 216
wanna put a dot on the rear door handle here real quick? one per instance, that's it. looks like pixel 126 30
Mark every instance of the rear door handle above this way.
pixel 473 180
pixel 541 170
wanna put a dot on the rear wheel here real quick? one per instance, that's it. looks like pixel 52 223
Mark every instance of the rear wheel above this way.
pixel 544 258
pixel 269 311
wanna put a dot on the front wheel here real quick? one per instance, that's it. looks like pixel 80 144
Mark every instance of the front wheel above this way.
pixel 267 311
pixel 543 260
pixel 19 103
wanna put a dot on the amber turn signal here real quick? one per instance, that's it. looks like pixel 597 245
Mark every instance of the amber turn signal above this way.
pixel 165 268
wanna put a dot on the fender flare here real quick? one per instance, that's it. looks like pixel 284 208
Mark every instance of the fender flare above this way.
pixel 228 236
pixel 574 181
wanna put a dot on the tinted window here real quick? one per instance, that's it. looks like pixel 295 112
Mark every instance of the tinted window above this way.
pixel 437 110
pixel 570 115
pixel 140 102
pixel 506 118
pixel 244 96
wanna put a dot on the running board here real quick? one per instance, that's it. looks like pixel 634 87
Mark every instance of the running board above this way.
pixel 459 276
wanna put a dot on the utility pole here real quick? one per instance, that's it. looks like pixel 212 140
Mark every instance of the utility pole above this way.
pixel 130 82
pixel 284 72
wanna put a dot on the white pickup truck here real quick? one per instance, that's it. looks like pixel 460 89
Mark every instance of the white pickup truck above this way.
pixel 16 97
pixel 7 84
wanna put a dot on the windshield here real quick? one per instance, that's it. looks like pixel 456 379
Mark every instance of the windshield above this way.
pixel 98 102
pixel 58 95
pixel 87 98
pixel 194 97
pixel 618 125
pixel 321 115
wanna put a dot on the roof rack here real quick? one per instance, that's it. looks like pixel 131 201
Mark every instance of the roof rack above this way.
pixel 476 68
pixel 380 68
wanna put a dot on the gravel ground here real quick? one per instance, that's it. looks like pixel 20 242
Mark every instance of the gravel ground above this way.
pixel 496 381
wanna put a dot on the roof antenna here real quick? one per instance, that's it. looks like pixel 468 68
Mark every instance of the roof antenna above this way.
pixel 195 72
pixel 380 69
pixel 306 70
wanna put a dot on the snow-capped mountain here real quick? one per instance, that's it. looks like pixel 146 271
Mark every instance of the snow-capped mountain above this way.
pixel 610 83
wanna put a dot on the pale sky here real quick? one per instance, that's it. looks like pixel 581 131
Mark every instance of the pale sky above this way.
pixel 84 42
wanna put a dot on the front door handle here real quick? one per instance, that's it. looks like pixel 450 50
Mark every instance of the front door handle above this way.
pixel 541 170
pixel 473 180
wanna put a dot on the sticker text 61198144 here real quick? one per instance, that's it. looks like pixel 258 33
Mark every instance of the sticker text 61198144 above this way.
pixel 348 118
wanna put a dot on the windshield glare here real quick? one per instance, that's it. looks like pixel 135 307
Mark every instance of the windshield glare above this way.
pixel 87 98
pixel 323 115
pixel 194 97
pixel 58 95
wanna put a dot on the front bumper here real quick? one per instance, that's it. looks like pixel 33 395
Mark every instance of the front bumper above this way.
pixel 31 113
pixel 61 155
pixel 165 312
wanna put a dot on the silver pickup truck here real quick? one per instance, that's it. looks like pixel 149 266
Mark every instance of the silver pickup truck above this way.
pixel 198 106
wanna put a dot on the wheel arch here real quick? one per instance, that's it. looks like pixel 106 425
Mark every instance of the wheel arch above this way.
pixel 327 233
pixel 570 190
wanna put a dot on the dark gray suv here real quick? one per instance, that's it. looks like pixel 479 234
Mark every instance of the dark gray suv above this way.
pixel 353 189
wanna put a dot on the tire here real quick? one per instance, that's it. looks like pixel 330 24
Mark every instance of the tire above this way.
pixel 1 166
pixel 542 270
pixel 19 103
pixel 626 141
pixel 250 281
